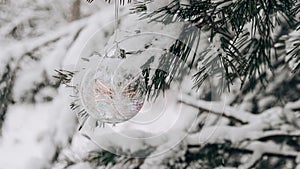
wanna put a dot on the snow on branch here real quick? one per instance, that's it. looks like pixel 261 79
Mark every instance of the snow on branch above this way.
pixel 219 108
pixel 265 148
pixel 254 135
pixel 17 50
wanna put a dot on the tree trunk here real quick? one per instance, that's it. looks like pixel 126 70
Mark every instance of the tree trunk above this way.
pixel 75 10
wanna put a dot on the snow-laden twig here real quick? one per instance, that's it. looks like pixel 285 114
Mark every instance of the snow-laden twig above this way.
pixel 278 133
pixel 274 122
pixel 8 28
pixel 293 105
pixel 269 148
pixel 266 125
pixel 264 148
pixel 220 109
pixel 17 50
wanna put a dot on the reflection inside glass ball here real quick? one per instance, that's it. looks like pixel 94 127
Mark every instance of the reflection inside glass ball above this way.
pixel 113 93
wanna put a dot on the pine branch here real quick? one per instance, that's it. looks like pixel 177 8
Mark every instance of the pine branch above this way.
pixel 219 109
pixel 265 148
pixel 24 49
pixel 243 31
pixel 293 53
pixel 7 80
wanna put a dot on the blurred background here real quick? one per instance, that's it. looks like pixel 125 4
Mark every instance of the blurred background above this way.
pixel 256 126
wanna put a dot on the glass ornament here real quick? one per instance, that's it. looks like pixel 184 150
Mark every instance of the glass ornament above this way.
pixel 114 91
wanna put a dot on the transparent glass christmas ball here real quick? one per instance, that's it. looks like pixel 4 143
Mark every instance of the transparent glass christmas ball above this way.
pixel 114 91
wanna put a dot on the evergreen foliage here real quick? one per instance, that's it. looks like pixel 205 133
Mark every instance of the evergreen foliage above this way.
pixel 248 38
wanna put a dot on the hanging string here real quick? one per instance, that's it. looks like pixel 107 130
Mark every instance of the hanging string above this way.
pixel 116 21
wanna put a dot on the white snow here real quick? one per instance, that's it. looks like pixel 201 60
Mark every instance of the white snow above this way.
pixel 33 132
